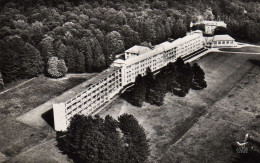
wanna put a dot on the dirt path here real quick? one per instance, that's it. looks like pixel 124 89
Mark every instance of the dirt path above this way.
pixel 19 85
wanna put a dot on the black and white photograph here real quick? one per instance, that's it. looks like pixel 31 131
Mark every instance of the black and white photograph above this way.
pixel 129 81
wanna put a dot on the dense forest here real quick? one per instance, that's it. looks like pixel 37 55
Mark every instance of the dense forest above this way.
pixel 59 36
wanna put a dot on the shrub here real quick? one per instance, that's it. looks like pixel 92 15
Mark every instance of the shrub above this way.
pixel 56 68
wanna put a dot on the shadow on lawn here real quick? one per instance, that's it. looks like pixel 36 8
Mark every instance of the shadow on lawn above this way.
pixel 48 117
pixel 255 62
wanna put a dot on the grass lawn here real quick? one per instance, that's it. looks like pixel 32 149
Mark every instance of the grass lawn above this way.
pixel 202 126
pixel 227 121
pixel 16 136
pixel 13 84
pixel 39 152
pixel 243 49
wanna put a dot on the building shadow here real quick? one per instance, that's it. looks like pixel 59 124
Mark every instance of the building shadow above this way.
pixel 48 117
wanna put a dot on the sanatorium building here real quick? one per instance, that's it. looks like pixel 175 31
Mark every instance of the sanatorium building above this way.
pixel 89 96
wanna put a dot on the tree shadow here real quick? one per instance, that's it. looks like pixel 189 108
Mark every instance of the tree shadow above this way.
pixel 49 118
pixel 255 62
pixel 127 96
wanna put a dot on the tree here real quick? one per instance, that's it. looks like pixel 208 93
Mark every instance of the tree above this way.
pixel 168 27
pixel 99 61
pixel 157 91
pixel 36 31
pixel 115 149
pixel 199 27
pixel 137 147
pixel 80 62
pixel 86 49
pixel 70 59
pixel 130 36
pixel 147 29
pixel 160 33
pixel 62 67
pixel 184 79
pixel 220 31
pixel 208 15
pixel 93 139
pixel 10 59
pixel 114 45
pixel 198 81
pixel 47 48
pixel 60 49
pixel 88 59
pixel 75 60
pixel 171 80
pixel 56 68
pixel 179 64
pixel 32 63
pixel 179 29
pixel 137 95
pixel 149 80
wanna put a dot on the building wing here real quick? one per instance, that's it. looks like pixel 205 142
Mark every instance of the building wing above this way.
pixel 138 49
pixel 223 38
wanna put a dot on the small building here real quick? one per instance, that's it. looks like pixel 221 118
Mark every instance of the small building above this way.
pixel 210 26
pixel 223 41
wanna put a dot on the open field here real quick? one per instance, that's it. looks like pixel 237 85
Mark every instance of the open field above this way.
pixel 15 136
pixel 13 84
pixel 202 126
pixel 227 121
pixel 251 49
pixel 38 153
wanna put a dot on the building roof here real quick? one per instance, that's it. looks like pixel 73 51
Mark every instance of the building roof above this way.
pixel 219 23
pixel 138 49
pixel 119 61
pixel 209 22
pixel 165 45
pixel 222 38
pixel 83 86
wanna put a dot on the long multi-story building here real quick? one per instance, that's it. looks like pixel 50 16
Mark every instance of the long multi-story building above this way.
pixel 89 96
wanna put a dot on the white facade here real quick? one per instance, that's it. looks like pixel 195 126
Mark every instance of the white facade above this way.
pixel 87 97
pixel 223 41
pixel 90 95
